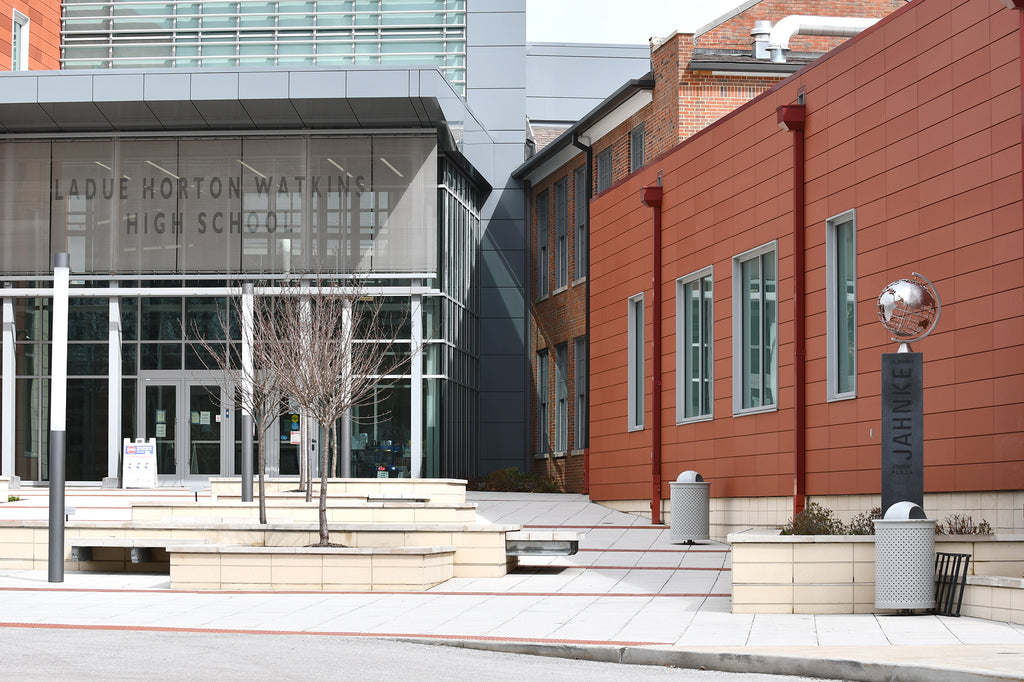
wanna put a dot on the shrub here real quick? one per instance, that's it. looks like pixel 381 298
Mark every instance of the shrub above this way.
pixel 814 520
pixel 512 480
pixel 861 524
pixel 13 498
pixel 958 524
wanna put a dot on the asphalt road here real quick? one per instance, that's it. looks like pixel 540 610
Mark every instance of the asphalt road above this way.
pixel 115 654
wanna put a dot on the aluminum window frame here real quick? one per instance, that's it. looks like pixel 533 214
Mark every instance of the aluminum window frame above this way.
pixel 561 399
pixel 580 209
pixel 543 238
pixel 20 39
pixel 706 352
pixel 839 326
pixel 636 148
pixel 543 388
pixel 605 161
pixel 768 341
pixel 580 392
pixel 635 363
pixel 562 233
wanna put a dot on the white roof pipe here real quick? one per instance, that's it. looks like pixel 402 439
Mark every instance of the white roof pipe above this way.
pixel 799 24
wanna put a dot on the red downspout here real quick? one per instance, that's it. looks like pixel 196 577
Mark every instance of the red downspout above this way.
pixel 1019 5
pixel 792 118
pixel 652 198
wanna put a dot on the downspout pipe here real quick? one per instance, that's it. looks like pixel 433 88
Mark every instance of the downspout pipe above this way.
pixel 792 117
pixel 1019 6
pixel 652 197
pixel 801 24
pixel 589 152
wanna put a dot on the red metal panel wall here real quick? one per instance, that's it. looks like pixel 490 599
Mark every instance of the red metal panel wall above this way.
pixel 44 33
pixel 916 125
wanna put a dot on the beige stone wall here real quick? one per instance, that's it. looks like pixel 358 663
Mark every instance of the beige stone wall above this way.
pixel 1002 509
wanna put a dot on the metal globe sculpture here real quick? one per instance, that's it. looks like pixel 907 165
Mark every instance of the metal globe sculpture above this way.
pixel 909 308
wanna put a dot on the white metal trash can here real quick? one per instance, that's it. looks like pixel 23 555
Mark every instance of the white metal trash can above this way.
pixel 904 558
pixel 690 508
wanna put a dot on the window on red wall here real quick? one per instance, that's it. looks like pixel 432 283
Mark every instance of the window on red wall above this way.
pixel 580 380
pixel 543 210
pixel 561 398
pixel 635 320
pixel 543 445
pixel 694 353
pixel 755 330
pixel 19 41
pixel 604 170
pixel 841 287
pixel 636 148
pixel 580 207
pixel 562 233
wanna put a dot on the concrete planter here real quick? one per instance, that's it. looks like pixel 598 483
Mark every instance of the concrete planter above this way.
pixel 773 573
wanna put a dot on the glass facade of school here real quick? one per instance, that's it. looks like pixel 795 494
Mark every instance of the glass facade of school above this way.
pixel 150 34
pixel 161 230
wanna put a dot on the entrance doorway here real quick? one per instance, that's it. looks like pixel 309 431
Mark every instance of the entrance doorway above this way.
pixel 191 419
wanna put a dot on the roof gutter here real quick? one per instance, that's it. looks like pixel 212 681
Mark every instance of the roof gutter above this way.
pixel 800 24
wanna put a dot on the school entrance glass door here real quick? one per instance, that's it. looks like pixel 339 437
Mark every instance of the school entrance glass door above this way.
pixel 188 419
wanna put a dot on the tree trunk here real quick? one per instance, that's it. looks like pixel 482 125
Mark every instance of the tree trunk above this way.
pixel 306 461
pixel 325 536
pixel 261 464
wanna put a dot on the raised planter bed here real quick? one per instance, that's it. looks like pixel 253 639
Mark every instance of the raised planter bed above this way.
pixel 479 548
pixel 773 573
pixel 231 567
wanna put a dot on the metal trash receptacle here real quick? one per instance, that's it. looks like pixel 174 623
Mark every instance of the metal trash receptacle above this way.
pixel 690 508
pixel 904 558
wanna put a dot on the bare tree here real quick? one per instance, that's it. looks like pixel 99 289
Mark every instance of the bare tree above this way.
pixel 338 348
pixel 257 384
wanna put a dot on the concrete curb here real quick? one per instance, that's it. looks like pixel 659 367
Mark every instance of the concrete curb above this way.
pixel 727 661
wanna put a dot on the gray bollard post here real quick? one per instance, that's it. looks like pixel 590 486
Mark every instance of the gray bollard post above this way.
pixel 58 415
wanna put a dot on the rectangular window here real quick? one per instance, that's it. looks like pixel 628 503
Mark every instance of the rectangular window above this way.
pixel 636 148
pixel 755 330
pixel 19 42
pixel 694 357
pixel 580 379
pixel 636 362
pixel 581 207
pixel 542 244
pixel 604 170
pixel 561 398
pixel 543 446
pixel 562 233
pixel 841 290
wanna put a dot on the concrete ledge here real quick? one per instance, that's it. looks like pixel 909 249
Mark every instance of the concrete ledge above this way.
pixel 295 509
pixel 994 598
pixel 235 567
pixel 437 490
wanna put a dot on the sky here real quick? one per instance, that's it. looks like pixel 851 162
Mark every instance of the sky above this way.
pixel 617 21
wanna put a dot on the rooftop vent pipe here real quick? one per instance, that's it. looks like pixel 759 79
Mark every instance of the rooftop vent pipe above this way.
pixel 760 33
pixel 798 24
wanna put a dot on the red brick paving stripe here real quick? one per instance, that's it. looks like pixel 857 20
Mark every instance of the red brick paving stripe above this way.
pixel 675 551
pixel 639 568
pixel 527 525
pixel 374 635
